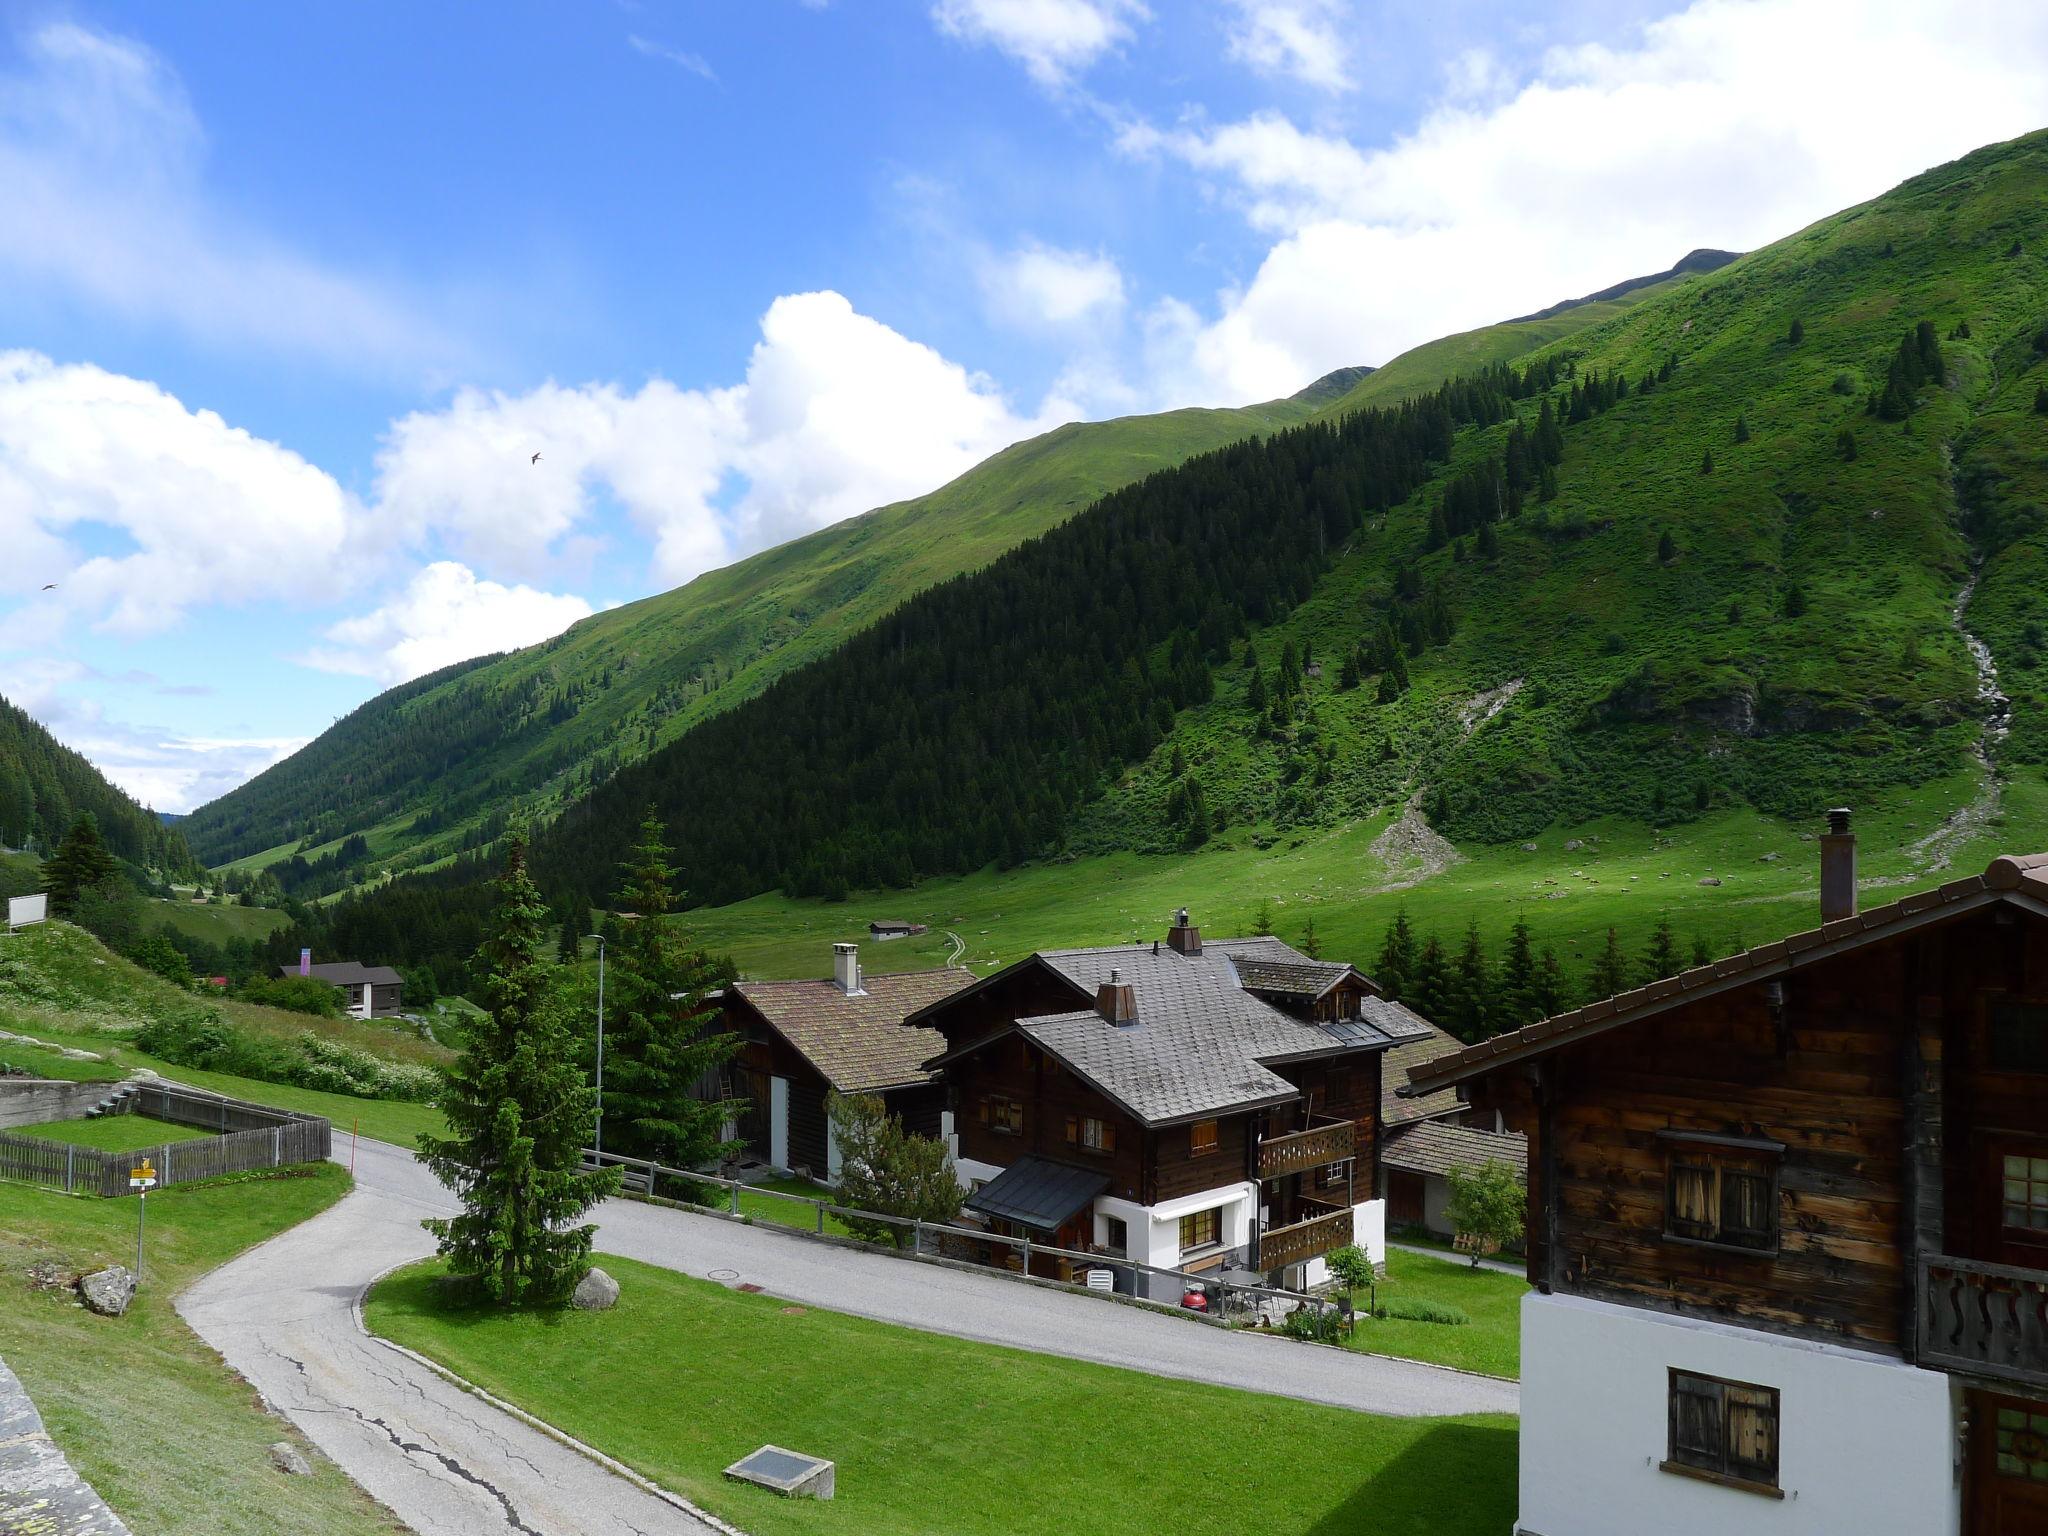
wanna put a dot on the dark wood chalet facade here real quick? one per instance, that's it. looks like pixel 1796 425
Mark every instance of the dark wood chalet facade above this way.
pixel 1788 1227
pixel 801 1040
pixel 1188 1105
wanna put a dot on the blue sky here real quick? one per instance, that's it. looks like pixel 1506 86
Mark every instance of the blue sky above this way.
pixel 290 294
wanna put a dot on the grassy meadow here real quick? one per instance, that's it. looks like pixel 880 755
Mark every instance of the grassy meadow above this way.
pixel 1021 1432
pixel 171 1438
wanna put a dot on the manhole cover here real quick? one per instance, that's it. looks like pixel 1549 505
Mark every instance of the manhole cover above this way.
pixel 723 1274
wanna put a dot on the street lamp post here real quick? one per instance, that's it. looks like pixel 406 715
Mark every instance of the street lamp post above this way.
pixel 600 1041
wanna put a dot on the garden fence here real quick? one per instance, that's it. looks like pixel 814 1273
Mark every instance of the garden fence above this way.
pixel 249 1136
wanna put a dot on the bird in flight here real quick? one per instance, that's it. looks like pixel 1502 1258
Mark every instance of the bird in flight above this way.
pixel 49 586
pixel 534 460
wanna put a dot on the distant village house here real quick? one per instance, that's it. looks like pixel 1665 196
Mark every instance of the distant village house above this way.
pixel 370 991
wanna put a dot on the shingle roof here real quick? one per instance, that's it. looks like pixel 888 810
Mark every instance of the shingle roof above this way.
pixel 2021 878
pixel 1436 1147
pixel 860 1043
pixel 348 973
pixel 1038 1192
pixel 1200 1042
pixel 1430 1044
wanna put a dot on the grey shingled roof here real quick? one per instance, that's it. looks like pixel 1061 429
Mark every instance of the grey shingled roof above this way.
pixel 859 1043
pixel 2016 878
pixel 1436 1147
pixel 1038 1192
pixel 348 973
pixel 1409 1054
pixel 1200 1043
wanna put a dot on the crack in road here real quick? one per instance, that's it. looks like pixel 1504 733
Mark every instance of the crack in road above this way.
pixel 413 1447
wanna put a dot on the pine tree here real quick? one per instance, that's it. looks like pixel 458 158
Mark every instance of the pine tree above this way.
pixel 81 864
pixel 1795 601
pixel 1546 484
pixel 1397 956
pixel 1348 675
pixel 1262 917
pixel 660 1038
pixel 1310 945
pixel 1552 990
pixel 1707 462
pixel 1660 955
pixel 569 948
pixel 1487 544
pixel 1845 443
pixel 1797 333
pixel 1429 987
pixel 1742 429
pixel 1288 680
pixel 1609 974
pixel 519 1114
pixel 2041 401
pixel 1255 698
pixel 1516 991
pixel 1472 1003
pixel 1667 547
pixel 1701 954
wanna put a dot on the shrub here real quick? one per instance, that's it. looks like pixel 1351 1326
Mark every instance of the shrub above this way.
pixel 1486 1205
pixel 1414 1309
pixel 1310 1321
pixel 296 994
pixel 1354 1271
pixel 198 1037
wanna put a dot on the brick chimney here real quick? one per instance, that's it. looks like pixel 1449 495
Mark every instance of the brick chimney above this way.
pixel 846 968
pixel 1837 868
pixel 1184 936
pixel 1117 1000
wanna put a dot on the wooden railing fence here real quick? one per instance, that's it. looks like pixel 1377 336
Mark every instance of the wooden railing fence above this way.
pixel 249 1136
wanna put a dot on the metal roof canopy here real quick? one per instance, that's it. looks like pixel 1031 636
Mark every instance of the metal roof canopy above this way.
pixel 1037 1192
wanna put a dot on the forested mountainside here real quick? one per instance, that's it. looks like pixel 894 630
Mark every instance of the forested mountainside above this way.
pixel 1709 550
pixel 550 721
pixel 430 769
pixel 44 785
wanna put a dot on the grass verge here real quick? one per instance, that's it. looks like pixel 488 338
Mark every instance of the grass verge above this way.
pixel 1491 1343
pixel 171 1438
pixel 112 1133
pixel 1023 1435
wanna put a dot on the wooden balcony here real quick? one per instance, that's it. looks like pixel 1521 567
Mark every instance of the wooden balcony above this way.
pixel 1309 1238
pixel 1298 1151
pixel 1989 1319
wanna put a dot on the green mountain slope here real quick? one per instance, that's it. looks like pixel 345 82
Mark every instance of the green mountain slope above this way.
pixel 44 785
pixel 428 769
pixel 1727 580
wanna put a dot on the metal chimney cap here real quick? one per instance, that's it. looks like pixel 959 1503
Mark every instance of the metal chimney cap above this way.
pixel 1838 820
pixel 1181 917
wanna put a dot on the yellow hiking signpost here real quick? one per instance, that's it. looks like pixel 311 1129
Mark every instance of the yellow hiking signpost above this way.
pixel 142 1180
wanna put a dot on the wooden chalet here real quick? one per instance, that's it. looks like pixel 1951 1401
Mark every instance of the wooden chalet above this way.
pixel 1188 1105
pixel 1788 1227
pixel 804 1039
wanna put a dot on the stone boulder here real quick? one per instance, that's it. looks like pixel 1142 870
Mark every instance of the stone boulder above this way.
pixel 595 1292
pixel 286 1458
pixel 108 1291
pixel 1710 880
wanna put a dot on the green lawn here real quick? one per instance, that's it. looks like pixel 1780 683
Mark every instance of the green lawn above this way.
pixel 217 922
pixel 1491 1343
pixel 170 1437
pixel 788 1213
pixel 933 1434
pixel 112 1133
pixel 40 1061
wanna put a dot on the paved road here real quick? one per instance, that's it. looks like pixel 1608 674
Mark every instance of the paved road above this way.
pixel 283 1316
pixel 448 1464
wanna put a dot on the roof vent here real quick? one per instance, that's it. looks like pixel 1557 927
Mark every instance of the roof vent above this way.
pixel 1184 937
pixel 1837 868
pixel 1117 1000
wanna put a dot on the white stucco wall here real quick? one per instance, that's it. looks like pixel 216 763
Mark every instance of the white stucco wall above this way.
pixel 1865 1443
pixel 1369 1228
pixel 1238 1203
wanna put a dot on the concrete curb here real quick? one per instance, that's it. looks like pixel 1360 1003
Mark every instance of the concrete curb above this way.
pixel 560 1436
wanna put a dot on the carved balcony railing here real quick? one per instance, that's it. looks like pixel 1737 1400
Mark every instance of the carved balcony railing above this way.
pixel 1300 1241
pixel 1298 1151
pixel 1991 1319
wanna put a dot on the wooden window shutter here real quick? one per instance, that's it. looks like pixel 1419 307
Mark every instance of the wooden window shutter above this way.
pixel 981 1109
pixel 1073 1129
pixel 1108 1136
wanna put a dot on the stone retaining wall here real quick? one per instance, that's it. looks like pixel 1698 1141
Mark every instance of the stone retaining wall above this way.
pixel 35 1100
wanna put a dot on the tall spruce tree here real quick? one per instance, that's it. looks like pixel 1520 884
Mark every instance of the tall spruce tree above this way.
pixel 1660 955
pixel 660 1039
pixel 519 1114
pixel 1609 973
pixel 1516 994
pixel 80 865
pixel 1428 989
pixel 1396 963
pixel 1471 1002
pixel 1553 992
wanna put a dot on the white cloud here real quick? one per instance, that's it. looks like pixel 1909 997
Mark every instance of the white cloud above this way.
pixel 1039 286
pixel 102 160
pixel 692 63
pixel 1298 38
pixel 1731 123
pixel 837 414
pixel 444 615
pixel 1053 39
pixel 141 509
